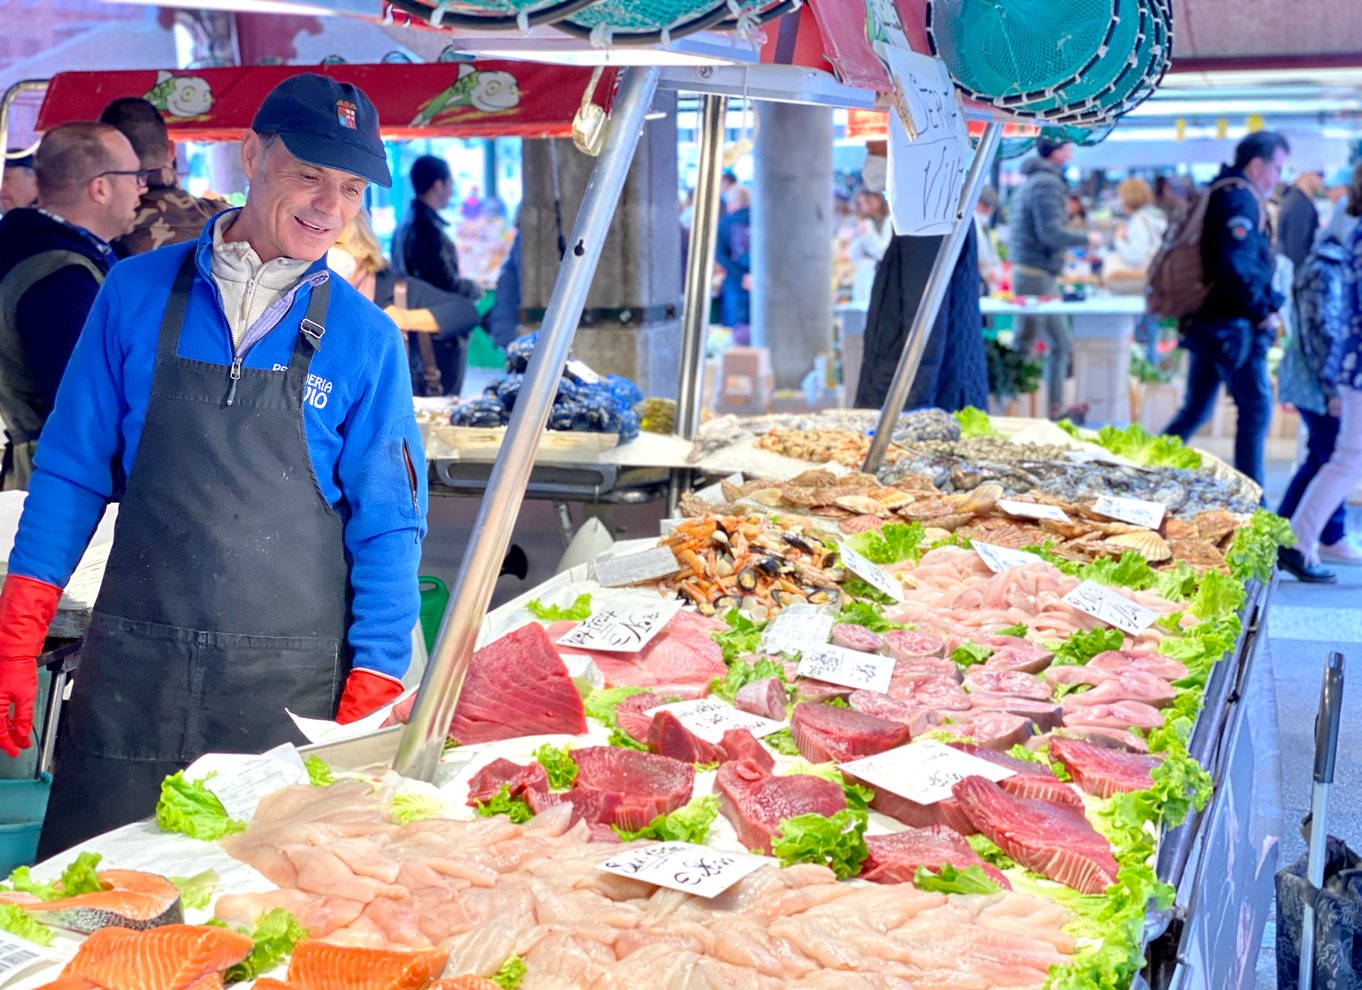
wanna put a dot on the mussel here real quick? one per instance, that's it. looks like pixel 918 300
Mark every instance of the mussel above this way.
pixel 747 579
pixel 725 602
pixel 799 543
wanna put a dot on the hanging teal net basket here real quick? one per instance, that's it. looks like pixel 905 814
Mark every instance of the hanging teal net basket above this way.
pixel 1116 57
pixel 1022 49
pixel 491 15
pixel 645 22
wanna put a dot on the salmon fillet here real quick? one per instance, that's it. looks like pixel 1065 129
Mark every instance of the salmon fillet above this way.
pixel 130 899
pixel 323 966
pixel 173 957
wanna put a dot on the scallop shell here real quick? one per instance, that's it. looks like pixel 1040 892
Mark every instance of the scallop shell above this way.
pixel 1179 529
pixel 817 478
pixel 1115 528
pixel 926 509
pixel 800 495
pixel 772 498
pixel 1198 553
pixel 981 499
pixel 862 505
pixel 1148 544
pixel 1215 524
pixel 952 522
pixel 892 498
pixel 934 534
pixel 1068 530
pixel 860 524
pixel 915 483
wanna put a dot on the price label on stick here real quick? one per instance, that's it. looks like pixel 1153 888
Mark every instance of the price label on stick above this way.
pixel 710 718
pixel 850 668
pixel 795 629
pixel 1112 607
pixel 699 870
pixel 1000 559
pixel 871 573
pixel 1135 511
pixel 923 772
pixel 636 568
pixel 621 628
pixel 1033 510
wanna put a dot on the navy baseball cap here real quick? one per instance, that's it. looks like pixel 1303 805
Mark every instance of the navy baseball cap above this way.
pixel 327 123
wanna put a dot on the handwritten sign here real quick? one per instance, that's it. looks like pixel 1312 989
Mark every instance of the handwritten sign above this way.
pixel 17 955
pixel 1112 607
pixel 709 719
pixel 850 668
pixel 926 171
pixel 636 568
pixel 796 628
pixel 685 866
pixel 582 373
pixel 923 772
pixel 1033 510
pixel 871 573
pixel 999 559
pixel 241 788
pixel 621 628
pixel 1135 511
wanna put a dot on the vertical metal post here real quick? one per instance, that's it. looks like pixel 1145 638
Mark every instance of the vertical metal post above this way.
pixel 704 232
pixel 423 739
pixel 933 295
pixel 6 105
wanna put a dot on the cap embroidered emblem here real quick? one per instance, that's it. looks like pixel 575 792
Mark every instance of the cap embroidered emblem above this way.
pixel 345 113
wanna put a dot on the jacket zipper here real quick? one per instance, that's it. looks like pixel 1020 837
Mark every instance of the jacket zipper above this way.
pixel 411 479
pixel 234 374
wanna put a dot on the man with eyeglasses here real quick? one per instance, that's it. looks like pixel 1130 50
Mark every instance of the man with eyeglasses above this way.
pixel 53 259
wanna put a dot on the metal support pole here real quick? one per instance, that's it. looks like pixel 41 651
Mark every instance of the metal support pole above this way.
pixel 704 232
pixel 6 105
pixel 933 295
pixel 423 739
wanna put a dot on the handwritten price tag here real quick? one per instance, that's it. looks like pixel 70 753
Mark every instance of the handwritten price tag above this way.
pixel 1032 510
pixel 850 668
pixel 699 870
pixel 1135 511
pixel 871 573
pixel 710 719
pixel 241 788
pixel 17 955
pixel 621 628
pixel 926 170
pixel 1000 559
pixel 636 568
pixel 795 629
pixel 1112 607
pixel 923 772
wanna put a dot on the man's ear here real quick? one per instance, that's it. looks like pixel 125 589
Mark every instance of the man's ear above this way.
pixel 170 153
pixel 252 155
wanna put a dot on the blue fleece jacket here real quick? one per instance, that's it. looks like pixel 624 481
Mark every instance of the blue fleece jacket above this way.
pixel 357 417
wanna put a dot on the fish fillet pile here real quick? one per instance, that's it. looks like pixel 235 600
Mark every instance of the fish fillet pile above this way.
pixel 485 890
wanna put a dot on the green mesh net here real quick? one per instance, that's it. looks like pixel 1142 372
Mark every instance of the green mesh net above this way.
pixel 1120 53
pixel 617 20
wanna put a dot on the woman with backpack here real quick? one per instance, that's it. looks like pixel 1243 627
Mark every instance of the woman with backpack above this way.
pixel 1329 343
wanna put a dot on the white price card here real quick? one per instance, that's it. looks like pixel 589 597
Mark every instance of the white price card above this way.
pixel 850 668
pixel 581 372
pixel 18 955
pixel 923 772
pixel 636 568
pixel 685 866
pixel 1032 510
pixel 710 718
pixel 926 170
pixel 241 784
pixel 796 628
pixel 621 628
pixel 871 573
pixel 999 559
pixel 1112 607
pixel 1135 511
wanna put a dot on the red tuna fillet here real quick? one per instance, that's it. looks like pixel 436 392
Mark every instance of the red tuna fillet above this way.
pixel 896 858
pixel 516 686
pixel 680 660
pixel 1043 714
pixel 1110 738
pixel 1035 787
pixel 633 717
pixel 1051 839
pixel 520 779
pixel 765 698
pixel 668 737
pixel 1129 686
pixel 1006 683
pixel 1103 772
pixel 990 729
pixel 1116 715
pixel 853 637
pixel 904 645
pixel 1145 663
pixel 824 733
pixel 629 788
pixel 757 803
pixel 929 691
pixel 879 705
pixel 739 745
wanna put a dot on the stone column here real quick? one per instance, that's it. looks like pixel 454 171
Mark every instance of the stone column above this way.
pixel 632 324
pixel 792 238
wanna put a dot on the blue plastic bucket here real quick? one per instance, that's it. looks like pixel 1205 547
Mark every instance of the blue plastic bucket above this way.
pixel 23 803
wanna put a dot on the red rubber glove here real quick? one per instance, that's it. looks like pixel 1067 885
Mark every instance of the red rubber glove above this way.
pixel 26 610
pixel 365 692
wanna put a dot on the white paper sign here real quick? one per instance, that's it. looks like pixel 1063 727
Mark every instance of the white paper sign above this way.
pixel 999 559
pixel 925 173
pixel 849 668
pixel 710 718
pixel 870 573
pixel 1032 510
pixel 923 772
pixel 699 870
pixel 17 955
pixel 241 786
pixel 1111 607
pixel 796 628
pixel 324 730
pixel 581 372
pixel 1135 511
pixel 636 568
pixel 621 628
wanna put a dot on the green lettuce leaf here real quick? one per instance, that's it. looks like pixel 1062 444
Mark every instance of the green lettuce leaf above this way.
pixel 501 803
pixel 16 921
pixel 740 674
pixel 1218 595
pixel 1131 571
pixel 969 654
pixel 276 933
pixel 80 876
pixel 686 824
pixel 1137 445
pixel 986 850
pixel 618 737
pixel 1081 647
pixel 893 543
pixel 578 611
pixel 601 703
pixel 21 881
pixel 416 807
pixel 781 742
pixel 974 422
pixel 511 974
pixel 971 880
pixel 558 764
pixel 1018 630
pixel 1176 584
pixel 866 614
pixel 1253 550
pixel 194 810
pixel 741 638
pixel 318 772
pixel 197 891
pixel 837 842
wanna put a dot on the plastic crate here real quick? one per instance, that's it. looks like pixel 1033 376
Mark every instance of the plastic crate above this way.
pixel 23 803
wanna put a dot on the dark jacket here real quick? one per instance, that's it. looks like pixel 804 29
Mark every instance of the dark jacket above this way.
pixel 168 215
pixel 1297 226
pixel 455 314
pixel 733 253
pixel 1344 366
pixel 422 249
pixel 48 318
pixel 1039 235
pixel 504 319
pixel 1237 257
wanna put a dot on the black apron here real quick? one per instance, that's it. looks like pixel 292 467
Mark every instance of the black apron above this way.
pixel 226 594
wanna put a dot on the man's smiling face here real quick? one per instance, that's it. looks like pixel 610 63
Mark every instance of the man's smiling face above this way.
pixel 294 209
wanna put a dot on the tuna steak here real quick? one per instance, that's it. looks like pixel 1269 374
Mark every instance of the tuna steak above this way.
pixel 929 691
pixel 896 858
pixel 757 803
pixel 904 645
pixel 851 637
pixel 631 788
pixel 518 779
pixel 738 745
pixel 1006 683
pixel 990 729
pixel 879 705
pixel 825 733
pixel 680 660
pixel 1051 839
pixel 633 715
pixel 668 737
pixel 1044 715
pixel 1103 772
pixel 765 698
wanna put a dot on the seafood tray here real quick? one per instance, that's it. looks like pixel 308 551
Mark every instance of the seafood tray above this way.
pixel 486 441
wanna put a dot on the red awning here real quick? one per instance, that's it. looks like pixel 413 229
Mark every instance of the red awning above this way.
pixel 440 99
pixel 830 35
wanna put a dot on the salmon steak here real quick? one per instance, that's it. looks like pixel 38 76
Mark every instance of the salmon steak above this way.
pixel 130 899
pixel 172 957
pixel 323 966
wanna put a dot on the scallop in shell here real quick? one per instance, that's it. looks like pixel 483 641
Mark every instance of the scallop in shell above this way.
pixel 1214 524
pixel 773 498
pixel 862 505
pixel 981 499
pixel 892 498
pixel 934 534
pixel 1148 544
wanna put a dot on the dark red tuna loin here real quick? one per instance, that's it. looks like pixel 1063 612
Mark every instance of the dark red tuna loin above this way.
pixel 488 781
pixel 668 737
pixel 757 802
pixel 626 787
pixel 1101 771
pixel 738 745
pixel 825 733
pixel 896 858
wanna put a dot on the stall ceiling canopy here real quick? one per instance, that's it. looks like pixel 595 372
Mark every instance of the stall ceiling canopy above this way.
pixel 1266 32
pixel 438 99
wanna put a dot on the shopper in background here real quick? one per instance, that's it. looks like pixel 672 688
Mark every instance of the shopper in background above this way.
pixel 1229 337
pixel 733 253
pixel 876 231
pixel 52 263
pixel 19 186
pixel 1138 239
pixel 264 451
pixel 168 214
pixel 1330 345
pixel 1167 198
pixel 990 260
pixel 1040 236
pixel 1298 217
